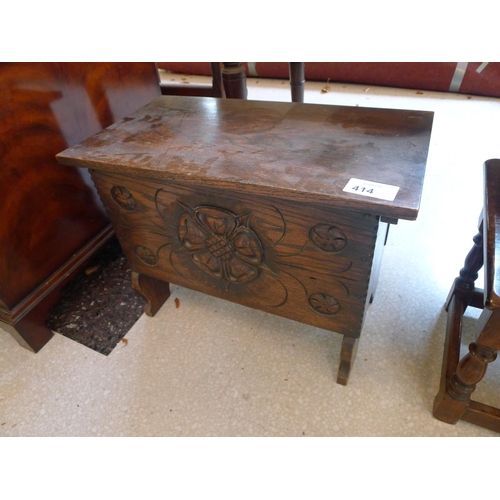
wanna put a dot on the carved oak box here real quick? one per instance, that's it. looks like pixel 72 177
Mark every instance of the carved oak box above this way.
pixel 281 207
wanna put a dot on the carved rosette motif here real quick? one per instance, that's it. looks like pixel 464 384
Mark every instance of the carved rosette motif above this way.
pixel 146 256
pixel 328 238
pixel 324 304
pixel 221 244
pixel 123 198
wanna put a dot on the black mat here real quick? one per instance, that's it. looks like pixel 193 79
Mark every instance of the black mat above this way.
pixel 99 306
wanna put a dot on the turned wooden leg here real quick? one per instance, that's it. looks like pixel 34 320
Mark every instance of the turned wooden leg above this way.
pixel 297 81
pixel 235 80
pixel 156 292
pixel 217 84
pixel 456 386
pixel 455 401
pixel 455 397
pixel 347 356
pixel 465 283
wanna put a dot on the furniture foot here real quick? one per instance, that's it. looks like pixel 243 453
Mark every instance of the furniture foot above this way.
pixel 155 291
pixel 347 356
pixel 447 409
pixel 31 331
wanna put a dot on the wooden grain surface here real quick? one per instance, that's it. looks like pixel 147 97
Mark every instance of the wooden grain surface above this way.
pixel 294 151
pixel 302 261
pixel 492 232
pixel 49 212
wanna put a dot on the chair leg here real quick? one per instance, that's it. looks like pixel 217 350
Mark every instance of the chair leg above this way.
pixel 297 81
pixel 449 406
pixel 217 84
pixel 465 283
pixel 446 408
pixel 454 397
pixel 235 80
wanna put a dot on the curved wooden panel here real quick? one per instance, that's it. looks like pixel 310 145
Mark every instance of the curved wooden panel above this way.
pixel 47 212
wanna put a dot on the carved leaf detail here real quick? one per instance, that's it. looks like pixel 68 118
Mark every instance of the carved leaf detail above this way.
pixel 191 235
pixel 241 272
pixel 210 264
pixel 247 246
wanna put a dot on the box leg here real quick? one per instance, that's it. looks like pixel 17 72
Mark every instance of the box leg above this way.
pixel 347 357
pixel 155 291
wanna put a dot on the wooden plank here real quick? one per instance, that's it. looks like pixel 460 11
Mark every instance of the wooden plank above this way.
pixel 294 151
pixel 483 415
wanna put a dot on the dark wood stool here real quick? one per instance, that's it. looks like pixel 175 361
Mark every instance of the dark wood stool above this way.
pixel 283 207
pixel 459 377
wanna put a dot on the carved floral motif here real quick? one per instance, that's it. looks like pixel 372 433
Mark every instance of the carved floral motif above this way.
pixel 123 198
pixel 146 255
pixel 324 304
pixel 328 238
pixel 221 244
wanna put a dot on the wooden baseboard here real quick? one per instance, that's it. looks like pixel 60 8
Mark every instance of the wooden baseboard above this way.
pixel 46 294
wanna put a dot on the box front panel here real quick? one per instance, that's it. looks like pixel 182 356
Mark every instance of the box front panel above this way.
pixel 307 263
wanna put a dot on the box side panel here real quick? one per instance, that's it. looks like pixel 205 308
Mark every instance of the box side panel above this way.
pixel 307 263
